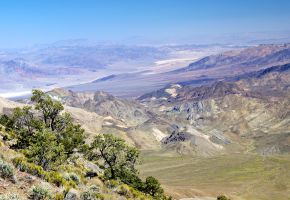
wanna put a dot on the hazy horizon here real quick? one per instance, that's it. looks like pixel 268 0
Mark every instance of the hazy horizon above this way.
pixel 28 23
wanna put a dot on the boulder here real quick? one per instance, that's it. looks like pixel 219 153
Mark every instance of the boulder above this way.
pixel 72 195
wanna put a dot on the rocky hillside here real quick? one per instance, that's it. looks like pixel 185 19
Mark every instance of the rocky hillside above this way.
pixel 250 113
pixel 270 82
pixel 104 104
pixel 245 114
pixel 44 155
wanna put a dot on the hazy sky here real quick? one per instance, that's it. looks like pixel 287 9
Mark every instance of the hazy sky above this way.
pixel 28 22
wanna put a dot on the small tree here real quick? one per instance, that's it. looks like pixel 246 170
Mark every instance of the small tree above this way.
pixel 153 187
pixel 46 151
pixel 25 125
pixel 70 135
pixel 116 155
pixel 50 108
pixel 7 122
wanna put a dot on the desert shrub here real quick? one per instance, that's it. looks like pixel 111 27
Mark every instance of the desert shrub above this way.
pixel 58 196
pixel 92 193
pixel 72 177
pixel 66 176
pixel 39 193
pixel 10 197
pixel 112 184
pixel 223 197
pixel 55 178
pixel 139 195
pixel 124 190
pixel 6 170
pixel 33 169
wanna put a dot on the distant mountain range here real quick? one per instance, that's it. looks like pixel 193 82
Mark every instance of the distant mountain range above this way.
pixel 75 62
pixel 223 66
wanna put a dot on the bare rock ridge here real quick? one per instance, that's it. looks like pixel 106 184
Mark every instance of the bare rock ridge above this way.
pixel 104 104
pixel 215 90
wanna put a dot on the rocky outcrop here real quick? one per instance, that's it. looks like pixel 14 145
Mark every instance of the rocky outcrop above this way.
pixel 72 195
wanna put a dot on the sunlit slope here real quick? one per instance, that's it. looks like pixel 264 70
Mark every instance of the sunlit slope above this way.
pixel 239 176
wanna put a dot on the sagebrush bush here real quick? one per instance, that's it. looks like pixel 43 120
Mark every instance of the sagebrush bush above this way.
pixel 33 169
pixel 124 190
pixel 6 170
pixel 92 193
pixel 55 178
pixel 58 196
pixel 24 166
pixel 10 197
pixel 72 177
pixel 39 193
pixel 112 183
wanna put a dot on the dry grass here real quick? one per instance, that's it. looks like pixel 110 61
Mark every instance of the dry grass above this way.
pixel 239 176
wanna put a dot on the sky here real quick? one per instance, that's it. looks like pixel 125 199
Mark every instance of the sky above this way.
pixel 29 22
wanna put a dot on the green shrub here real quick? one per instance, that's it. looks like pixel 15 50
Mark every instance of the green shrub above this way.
pixel 10 197
pixel 55 178
pixel 58 196
pixel 223 197
pixel 112 184
pixel 40 193
pixel 124 190
pixel 6 170
pixel 92 193
pixel 45 150
pixel 139 195
pixel 33 169
pixel 72 177
pixel 153 187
